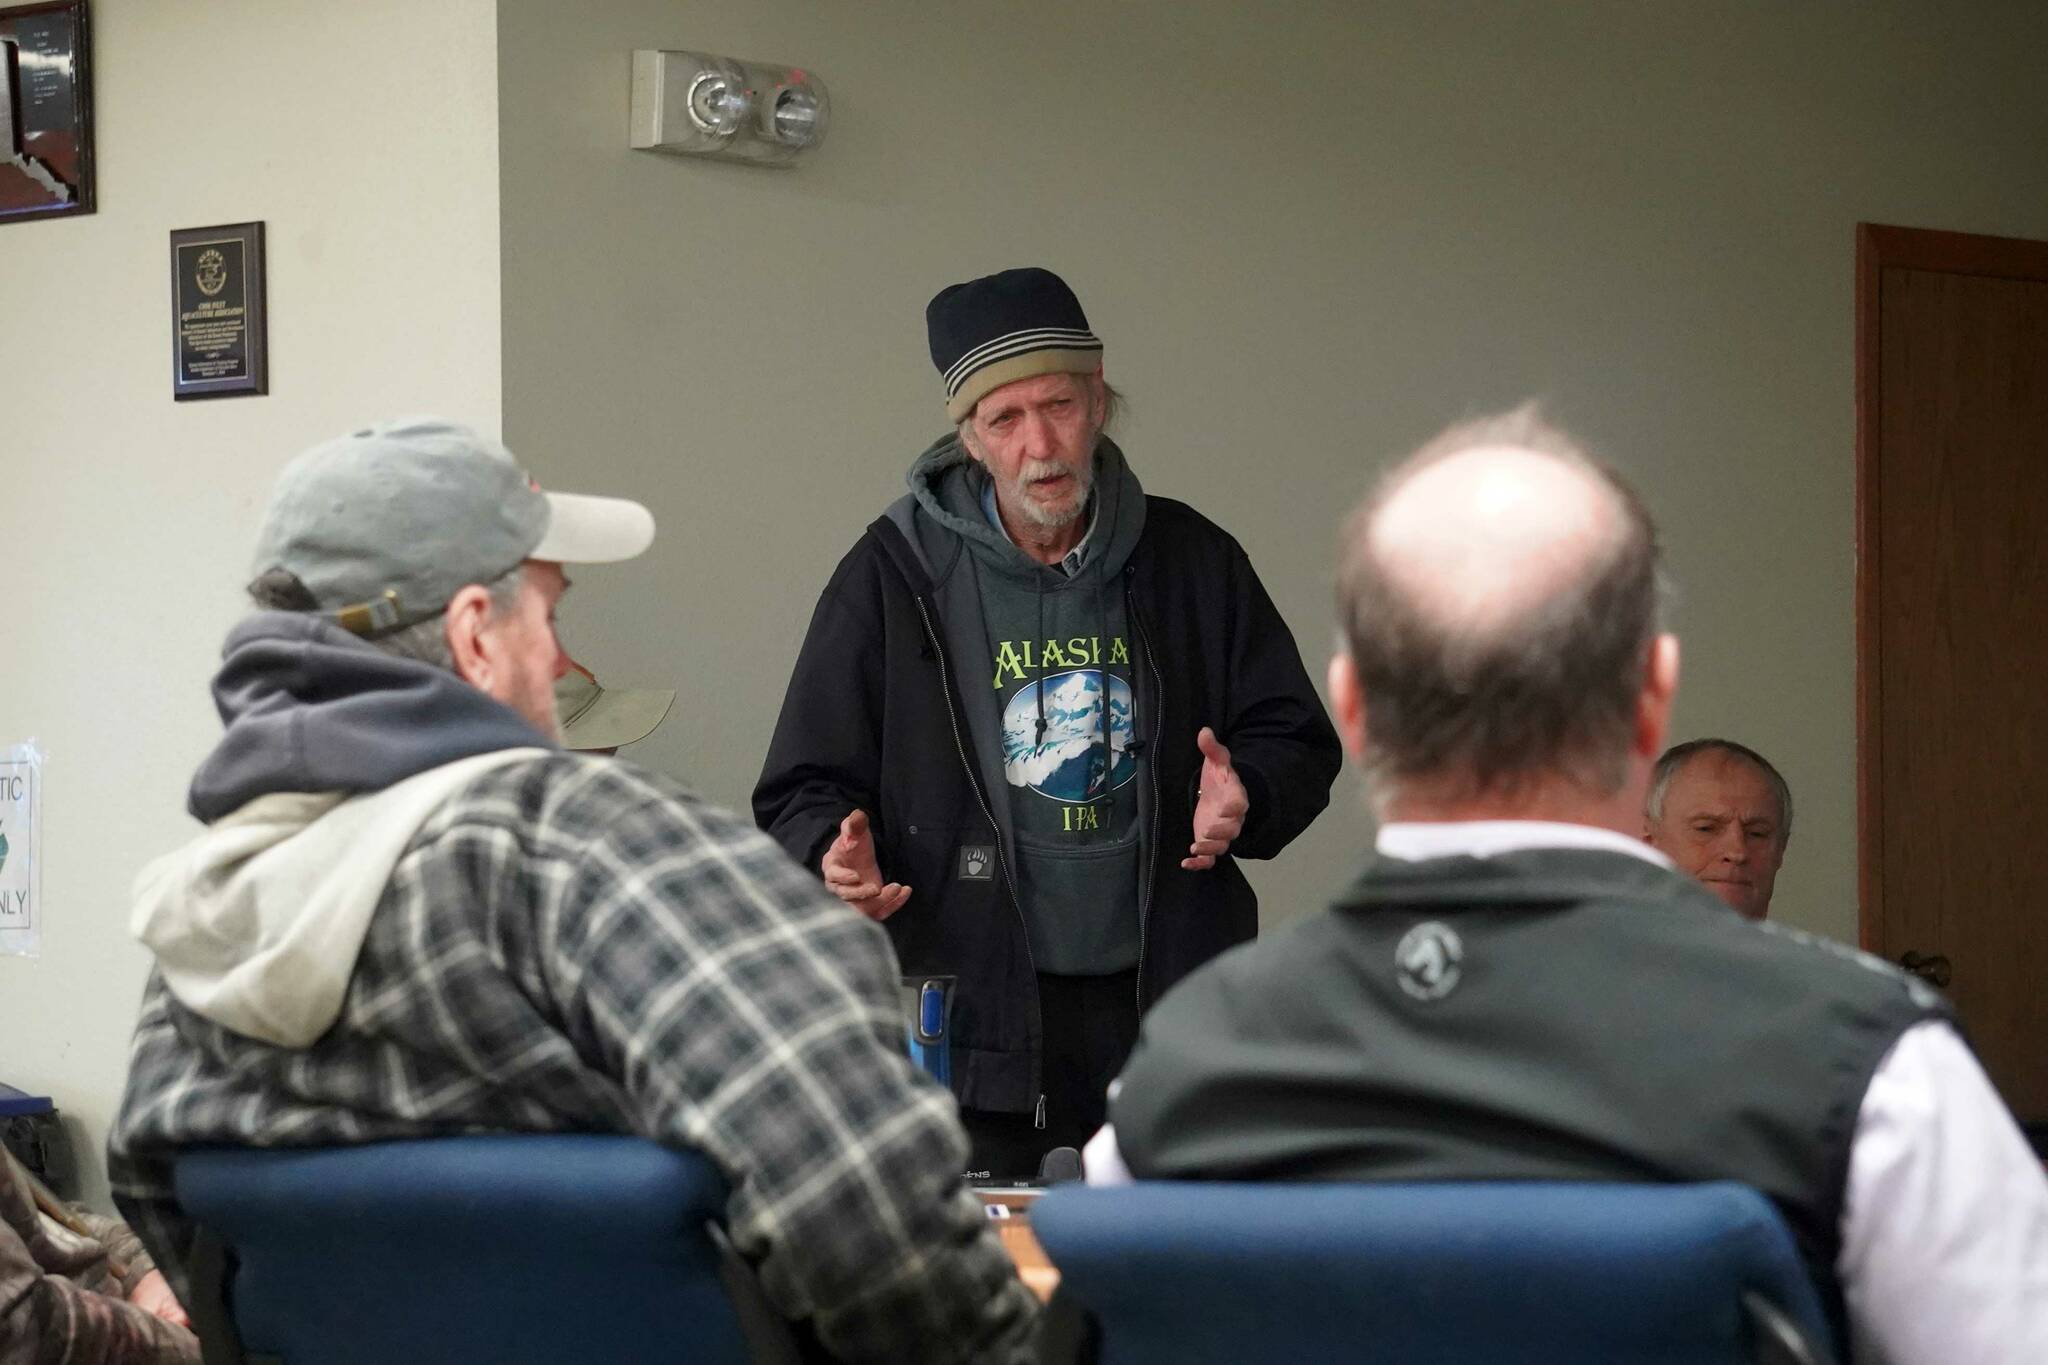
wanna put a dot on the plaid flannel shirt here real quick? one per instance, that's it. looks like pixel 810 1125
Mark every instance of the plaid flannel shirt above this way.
pixel 575 944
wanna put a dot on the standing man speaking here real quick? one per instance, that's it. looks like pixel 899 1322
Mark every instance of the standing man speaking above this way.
pixel 1037 716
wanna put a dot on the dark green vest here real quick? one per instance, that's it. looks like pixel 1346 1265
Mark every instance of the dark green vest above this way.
pixel 1548 1015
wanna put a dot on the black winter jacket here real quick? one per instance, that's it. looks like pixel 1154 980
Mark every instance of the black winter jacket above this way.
pixel 873 720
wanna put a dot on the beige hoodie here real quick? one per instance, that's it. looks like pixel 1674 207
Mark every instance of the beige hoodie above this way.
pixel 256 923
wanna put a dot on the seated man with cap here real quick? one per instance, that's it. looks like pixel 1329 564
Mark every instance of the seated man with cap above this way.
pixel 411 913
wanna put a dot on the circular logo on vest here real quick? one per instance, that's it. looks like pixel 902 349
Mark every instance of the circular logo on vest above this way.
pixel 1427 958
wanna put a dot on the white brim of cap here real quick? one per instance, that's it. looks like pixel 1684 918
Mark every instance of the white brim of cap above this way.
pixel 583 529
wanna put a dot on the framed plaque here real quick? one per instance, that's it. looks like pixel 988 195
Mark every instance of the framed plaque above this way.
pixel 45 111
pixel 219 338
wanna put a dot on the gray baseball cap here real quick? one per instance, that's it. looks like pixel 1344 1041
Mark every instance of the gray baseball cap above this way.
pixel 386 524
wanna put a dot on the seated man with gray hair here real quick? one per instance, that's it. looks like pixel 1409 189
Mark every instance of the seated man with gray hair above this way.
pixel 1722 813
pixel 1519 988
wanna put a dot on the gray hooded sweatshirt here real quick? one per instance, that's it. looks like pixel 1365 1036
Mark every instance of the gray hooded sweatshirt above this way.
pixel 335 754
pixel 1046 661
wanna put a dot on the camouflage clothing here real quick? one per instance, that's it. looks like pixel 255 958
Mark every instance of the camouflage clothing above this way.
pixel 64 1287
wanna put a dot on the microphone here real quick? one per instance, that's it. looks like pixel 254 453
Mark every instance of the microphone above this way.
pixel 1060 1166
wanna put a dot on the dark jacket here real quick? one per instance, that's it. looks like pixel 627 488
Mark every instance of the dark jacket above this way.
pixel 1553 1014
pixel 874 719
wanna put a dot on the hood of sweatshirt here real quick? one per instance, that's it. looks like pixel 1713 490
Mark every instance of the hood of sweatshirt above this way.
pixel 310 708
pixel 947 484
pixel 335 754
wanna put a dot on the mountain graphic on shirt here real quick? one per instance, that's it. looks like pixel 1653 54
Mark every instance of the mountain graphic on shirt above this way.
pixel 1069 763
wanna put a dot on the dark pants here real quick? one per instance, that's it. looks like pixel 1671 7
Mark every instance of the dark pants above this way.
pixel 1088 1025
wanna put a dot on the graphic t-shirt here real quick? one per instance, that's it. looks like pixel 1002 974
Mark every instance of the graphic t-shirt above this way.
pixel 1072 795
pixel 1047 666
pixel 1084 756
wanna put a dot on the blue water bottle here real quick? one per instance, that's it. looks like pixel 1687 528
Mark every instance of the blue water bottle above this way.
pixel 929 1003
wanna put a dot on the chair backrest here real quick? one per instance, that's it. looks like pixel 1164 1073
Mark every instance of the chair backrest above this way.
pixel 499 1249
pixel 1429 1274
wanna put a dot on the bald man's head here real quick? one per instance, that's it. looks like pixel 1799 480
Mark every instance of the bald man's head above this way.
pixel 1499 599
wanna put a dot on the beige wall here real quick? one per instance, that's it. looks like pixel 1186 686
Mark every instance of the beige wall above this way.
pixel 1310 235
pixel 365 135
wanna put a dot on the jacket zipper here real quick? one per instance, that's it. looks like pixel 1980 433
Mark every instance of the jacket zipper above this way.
pixel 1002 863
pixel 1159 733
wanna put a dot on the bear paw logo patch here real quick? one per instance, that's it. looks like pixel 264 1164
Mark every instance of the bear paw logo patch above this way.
pixel 977 863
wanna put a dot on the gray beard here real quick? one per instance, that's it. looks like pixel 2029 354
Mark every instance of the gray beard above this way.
pixel 1044 517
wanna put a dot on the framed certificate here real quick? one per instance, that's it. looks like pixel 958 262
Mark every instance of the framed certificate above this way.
pixel 219 337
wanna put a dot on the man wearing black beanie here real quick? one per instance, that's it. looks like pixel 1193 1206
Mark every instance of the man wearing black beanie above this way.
pixel 1037 717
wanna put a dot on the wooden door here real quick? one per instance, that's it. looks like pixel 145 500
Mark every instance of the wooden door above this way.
pixel 1952 630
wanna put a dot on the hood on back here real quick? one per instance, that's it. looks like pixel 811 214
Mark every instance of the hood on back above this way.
pixel 311 708
pixel 257 923
pixel 335 755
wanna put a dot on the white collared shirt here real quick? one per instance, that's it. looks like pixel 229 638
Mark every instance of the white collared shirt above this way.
pixel 1944 1255
pixel 1415 841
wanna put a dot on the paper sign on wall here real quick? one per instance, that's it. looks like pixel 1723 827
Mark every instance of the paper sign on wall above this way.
pixel 21 851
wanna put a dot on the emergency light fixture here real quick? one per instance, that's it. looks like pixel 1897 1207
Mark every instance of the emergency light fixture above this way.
pixel 695 104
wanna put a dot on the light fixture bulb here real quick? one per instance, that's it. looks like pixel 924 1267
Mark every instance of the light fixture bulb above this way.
pixel 796 116
pixel 717 103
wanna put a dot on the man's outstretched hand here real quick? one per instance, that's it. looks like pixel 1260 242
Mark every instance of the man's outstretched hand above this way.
pixel 1220 805
pixel 850 869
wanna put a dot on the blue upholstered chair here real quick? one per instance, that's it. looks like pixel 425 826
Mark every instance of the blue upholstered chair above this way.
pixel 471 1250
pixel 1451 1274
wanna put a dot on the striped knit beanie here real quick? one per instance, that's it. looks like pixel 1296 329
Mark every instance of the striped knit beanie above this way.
pixel 1005 327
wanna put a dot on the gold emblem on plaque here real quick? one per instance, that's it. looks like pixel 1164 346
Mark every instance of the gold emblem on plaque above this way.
pixel 211 272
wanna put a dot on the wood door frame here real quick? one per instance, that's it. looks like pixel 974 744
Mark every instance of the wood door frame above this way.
pixel 1879 248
